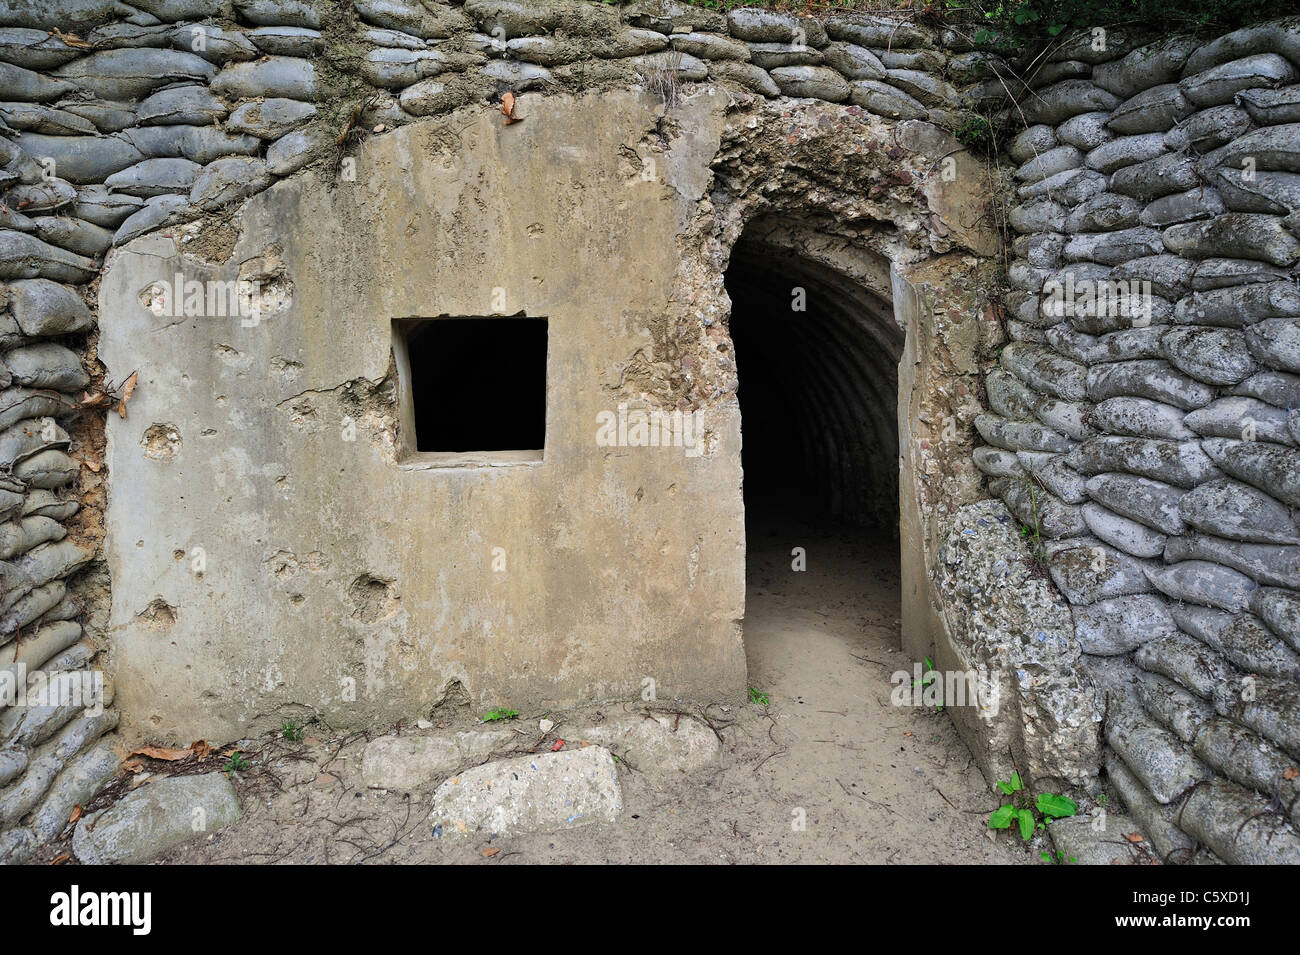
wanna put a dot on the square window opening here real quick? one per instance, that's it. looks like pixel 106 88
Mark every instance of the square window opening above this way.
pixel 473 389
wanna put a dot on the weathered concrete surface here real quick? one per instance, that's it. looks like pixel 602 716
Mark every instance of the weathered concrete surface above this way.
pixel 1005 623
pixel 621 563
pixel 156 817
pixel 542 793
pixel 949 328
pixel 1100 840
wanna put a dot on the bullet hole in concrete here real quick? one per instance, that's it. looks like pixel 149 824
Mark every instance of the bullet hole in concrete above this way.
pixel 477 384
pixel 159 615
pixel 372 598
pixel 161 442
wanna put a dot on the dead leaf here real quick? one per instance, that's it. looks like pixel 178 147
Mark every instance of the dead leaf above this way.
pixel 71 39
pixel 1134 837
pixel 508 103
pixel 490 852
pixel 76 814
pixel 133 765
pixel 1290 773
pixel 128 387
pixel 92 465
pixel 200 749
pixel 61 858
pixel 161 752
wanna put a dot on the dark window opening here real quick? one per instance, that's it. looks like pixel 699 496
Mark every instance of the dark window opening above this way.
pixel 476 384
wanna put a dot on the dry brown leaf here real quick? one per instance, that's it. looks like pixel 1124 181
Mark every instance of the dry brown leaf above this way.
pixel 1290 773
pixel 93 465
pixel 76 814
pixel 1134 837
pixel 200 749
pixel 133 765
pixel 61 858
pixel 508 103
pixel 71 39
pixel 128 387
pixel 490 852
pixel 161 752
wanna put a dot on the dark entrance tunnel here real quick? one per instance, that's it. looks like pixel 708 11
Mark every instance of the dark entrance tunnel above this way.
pixel 818 393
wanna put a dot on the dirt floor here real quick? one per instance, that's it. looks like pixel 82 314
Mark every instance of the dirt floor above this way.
pixel 877 783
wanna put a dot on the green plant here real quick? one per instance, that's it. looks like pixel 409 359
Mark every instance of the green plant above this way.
pixel 760 698
pixel 234 763
pixel 1059 858
pixel 500 713
pixel 1028 816
pixel 292 730
pixel 978 135
pixel 1032 533
pixel 927 678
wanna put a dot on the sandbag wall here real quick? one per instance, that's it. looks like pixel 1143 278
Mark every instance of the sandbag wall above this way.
pixel 1152 439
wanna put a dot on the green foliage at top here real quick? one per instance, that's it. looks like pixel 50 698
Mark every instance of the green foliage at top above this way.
pixel 499 714
pixel 1017 22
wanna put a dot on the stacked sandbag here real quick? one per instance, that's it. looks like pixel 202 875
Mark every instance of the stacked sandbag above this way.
pixel 1145 417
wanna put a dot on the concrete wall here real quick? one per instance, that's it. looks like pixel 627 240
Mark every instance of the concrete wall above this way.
pixel 331 560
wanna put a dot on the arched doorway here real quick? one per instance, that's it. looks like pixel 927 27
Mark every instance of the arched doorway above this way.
pixel 817 352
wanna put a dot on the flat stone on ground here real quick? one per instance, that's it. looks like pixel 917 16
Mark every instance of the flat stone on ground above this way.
pixel 658 742
pixel 542 793
pixel 156 817
pixel 409 763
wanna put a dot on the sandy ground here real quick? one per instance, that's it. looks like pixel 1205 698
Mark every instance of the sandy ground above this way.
pixel 876 783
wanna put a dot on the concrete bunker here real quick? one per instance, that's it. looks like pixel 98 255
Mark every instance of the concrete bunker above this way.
pixel 580 559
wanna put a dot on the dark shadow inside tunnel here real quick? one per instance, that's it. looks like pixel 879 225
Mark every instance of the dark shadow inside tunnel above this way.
pixel 817 357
